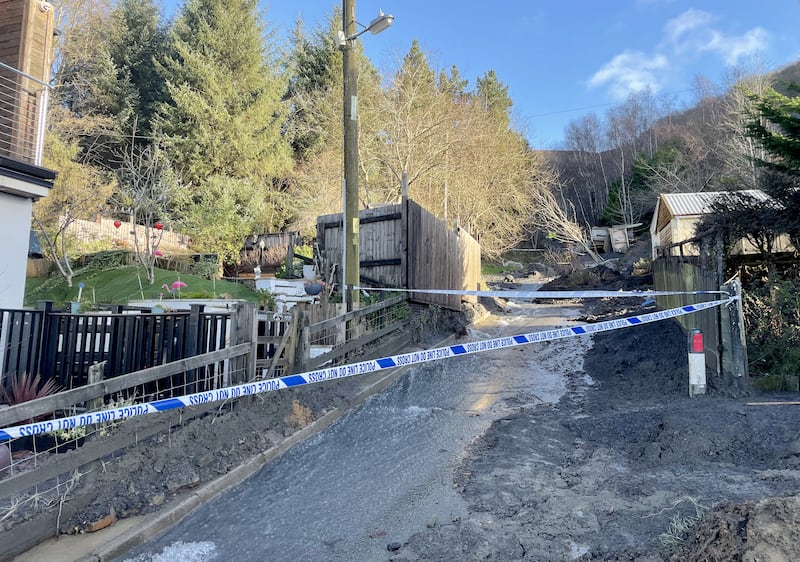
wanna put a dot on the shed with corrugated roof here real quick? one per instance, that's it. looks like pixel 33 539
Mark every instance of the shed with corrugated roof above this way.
pixel 676 215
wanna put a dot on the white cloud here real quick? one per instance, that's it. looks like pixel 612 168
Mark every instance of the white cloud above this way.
pixel 685 38
pixel 734 48
pixel 629 72
pixel 692 32
pixel 686 22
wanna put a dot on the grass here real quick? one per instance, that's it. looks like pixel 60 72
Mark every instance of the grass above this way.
pixel 122 284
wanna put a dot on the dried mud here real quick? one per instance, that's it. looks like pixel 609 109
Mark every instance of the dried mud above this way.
pixel 627 467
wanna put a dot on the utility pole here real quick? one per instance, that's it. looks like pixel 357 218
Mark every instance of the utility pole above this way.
pixel 350 105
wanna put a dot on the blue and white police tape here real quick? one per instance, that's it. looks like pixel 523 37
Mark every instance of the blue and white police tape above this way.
pixel 544 294
pixel 331 373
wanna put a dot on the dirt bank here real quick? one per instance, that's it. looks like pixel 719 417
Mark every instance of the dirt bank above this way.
pixel 627 467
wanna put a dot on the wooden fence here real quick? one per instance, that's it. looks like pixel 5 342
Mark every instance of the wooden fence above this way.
pixel 405 246
pixel 722 327
pixel 260 344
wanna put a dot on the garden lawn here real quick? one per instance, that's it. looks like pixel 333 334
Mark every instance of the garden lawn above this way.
pixel 125 283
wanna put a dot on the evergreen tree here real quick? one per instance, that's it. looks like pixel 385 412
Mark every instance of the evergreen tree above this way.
pixel 136 42
pixel 315 123
pixel 315 69
pixel 223 124
pixel 226 111
pixel 494 95
pixel 775 125
pixel 452 83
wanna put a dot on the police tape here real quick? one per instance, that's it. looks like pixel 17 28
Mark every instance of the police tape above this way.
pixel 510 294
pixel 342 371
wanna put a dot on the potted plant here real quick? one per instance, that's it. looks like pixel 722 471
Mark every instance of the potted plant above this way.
pixel 314 287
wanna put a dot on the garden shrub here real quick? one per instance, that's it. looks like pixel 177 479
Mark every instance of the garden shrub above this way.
pixel 772 320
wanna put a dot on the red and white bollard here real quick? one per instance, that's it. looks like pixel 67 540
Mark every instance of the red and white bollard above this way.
pixel 697 363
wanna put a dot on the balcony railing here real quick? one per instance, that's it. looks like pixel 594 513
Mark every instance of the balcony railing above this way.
pixel 23 115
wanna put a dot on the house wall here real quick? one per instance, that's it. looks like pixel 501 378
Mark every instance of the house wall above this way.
pixel 15 216
pixel 26 36
pixel 26 44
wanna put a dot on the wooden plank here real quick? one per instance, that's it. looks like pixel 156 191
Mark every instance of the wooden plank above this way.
pixel 64 400
pixel 355 344
pixel 334 322
pixel 93 450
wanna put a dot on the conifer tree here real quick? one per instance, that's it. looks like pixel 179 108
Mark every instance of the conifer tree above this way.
pixel 494 95
pixel 225 111
pixel 136 41
pixel 223 123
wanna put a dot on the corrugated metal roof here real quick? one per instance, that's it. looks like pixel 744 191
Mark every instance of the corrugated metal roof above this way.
pixel 688 204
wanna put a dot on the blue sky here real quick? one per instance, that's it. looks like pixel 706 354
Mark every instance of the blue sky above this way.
pixel 562 59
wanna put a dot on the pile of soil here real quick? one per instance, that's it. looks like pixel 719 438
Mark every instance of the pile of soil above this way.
pixel 628 467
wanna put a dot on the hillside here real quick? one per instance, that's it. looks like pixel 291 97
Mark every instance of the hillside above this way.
pixel 692 149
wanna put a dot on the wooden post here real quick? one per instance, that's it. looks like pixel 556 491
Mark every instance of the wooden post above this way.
pixel 302 347
pixel 290 258
pixel 95 374
pixel 404 257
pixel 735 352
pixel 243 330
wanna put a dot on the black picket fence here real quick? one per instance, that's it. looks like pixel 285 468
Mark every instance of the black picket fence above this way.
pixel 62 346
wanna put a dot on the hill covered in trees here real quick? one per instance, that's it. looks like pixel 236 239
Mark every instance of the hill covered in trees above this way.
pixel 614 165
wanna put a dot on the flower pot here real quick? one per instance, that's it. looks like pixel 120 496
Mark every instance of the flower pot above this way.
pixel 313 289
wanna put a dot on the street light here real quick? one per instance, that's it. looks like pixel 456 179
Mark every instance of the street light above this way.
pixel 347 37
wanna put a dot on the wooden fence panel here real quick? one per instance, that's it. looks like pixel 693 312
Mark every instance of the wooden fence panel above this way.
pixel 380 243
pixel 676 274
pixel 406 246
pixel 440 258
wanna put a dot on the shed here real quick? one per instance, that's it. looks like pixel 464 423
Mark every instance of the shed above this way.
pixel 677 214
pixel 617 238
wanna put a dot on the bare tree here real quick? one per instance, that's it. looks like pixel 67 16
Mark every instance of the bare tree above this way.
pixel 589 181
pixel 80 191
pixel 559 220
pixel 739 151
pixel 146 187
pixel 628 131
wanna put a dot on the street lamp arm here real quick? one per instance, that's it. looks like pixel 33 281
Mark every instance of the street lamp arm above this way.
pixel 379 24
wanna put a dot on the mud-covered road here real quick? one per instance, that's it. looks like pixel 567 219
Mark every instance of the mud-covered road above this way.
pixel 627 467
pixel 622 465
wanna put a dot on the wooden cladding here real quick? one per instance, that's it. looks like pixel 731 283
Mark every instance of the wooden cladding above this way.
pixel 405 246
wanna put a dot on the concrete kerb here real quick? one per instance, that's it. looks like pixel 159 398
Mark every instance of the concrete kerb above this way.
pixel 161 522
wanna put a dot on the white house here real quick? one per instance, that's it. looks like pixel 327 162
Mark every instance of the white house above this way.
pixel 18 190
